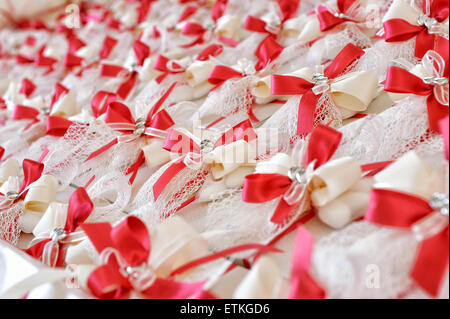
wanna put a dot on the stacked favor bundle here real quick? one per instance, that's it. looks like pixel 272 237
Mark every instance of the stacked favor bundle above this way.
pixel 224 149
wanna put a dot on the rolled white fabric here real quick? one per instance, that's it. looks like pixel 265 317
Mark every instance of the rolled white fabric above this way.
pixel 333 179
pixel 175 243
pixel 36 102
pixel 41 193
pixel 66 106
pixel 228 26
pixel 12 94
pixel 10 167
pixel 154 153
pixel 29 220
pixel 279 164
pixel 54 217
pixel 198 72
pixel 226 158
pixel 79 254
pixel 400 9
pixel 346 208
pixel 264 281
pixel 355 91
pixel 147 73
pixel 409 174
pixel 311 30
pixel 262 88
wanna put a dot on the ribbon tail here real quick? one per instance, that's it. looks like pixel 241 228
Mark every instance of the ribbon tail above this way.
pixel 306 113
pixel 167 176
pixel 303 286
pixel 170 289
pixel 431 263
pixel 436 113
pixel 134 168
pixel 126 87
pixel 281 213
pixel 102 149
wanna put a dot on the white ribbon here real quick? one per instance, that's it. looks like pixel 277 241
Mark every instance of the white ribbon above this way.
pixel 434 65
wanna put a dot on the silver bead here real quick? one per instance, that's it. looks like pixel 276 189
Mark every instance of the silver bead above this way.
pixel 298 174
pixel 58 234
pixel 45 110
pixel 206 145
pixel 440 203
pixel 11 195
pixel 319 78
pixel 140 127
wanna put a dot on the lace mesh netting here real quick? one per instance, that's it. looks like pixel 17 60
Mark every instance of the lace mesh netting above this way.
pixel 376 138
pixel 347 261
pixel 9 227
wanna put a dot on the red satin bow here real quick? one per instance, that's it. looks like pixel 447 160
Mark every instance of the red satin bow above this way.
pixel 401 210
pixel 162 65
pixel 302 285
pixel 32 171
pixel 22 112
pixel 261 188
pixel 180 143
pixel 80 207
pixel 125 88
pixel 60 90
pixel 218 9
pixel 194 29
pixel 290 85
pixel 399 80
pixel 2 152
pixel 132 242
pixel 118 113
pixel 328 20
pixel 399 30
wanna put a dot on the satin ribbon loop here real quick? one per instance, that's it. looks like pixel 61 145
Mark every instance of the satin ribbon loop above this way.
pixel 434 223
pixel 435 66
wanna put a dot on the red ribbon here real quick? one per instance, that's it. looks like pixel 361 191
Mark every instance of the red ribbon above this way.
pixel 187 13
pixel 2 152
pixel 142 51
pixel 401 210
pixel 125 88
pixel 222 73
pixel 27 88
pixel 60 90
pixel 108 45
pixel 289 8
pixel 443 125
pixel 100 102
pixel 22 112
pixel 80 207
pixel 177 142
pixel 117 113
pixel 71 60
pixel 302 285
pixel 194 29
pixel 399 80
pixel 256 25
pixel 212 50
pixel 399 30
pixel 132 240
pixel 261 188
pixel 218 9
pixel 288 85
pixel 32 171
pixel 268 50
pixel 328 20
pixel 57 126
pixel 161 64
